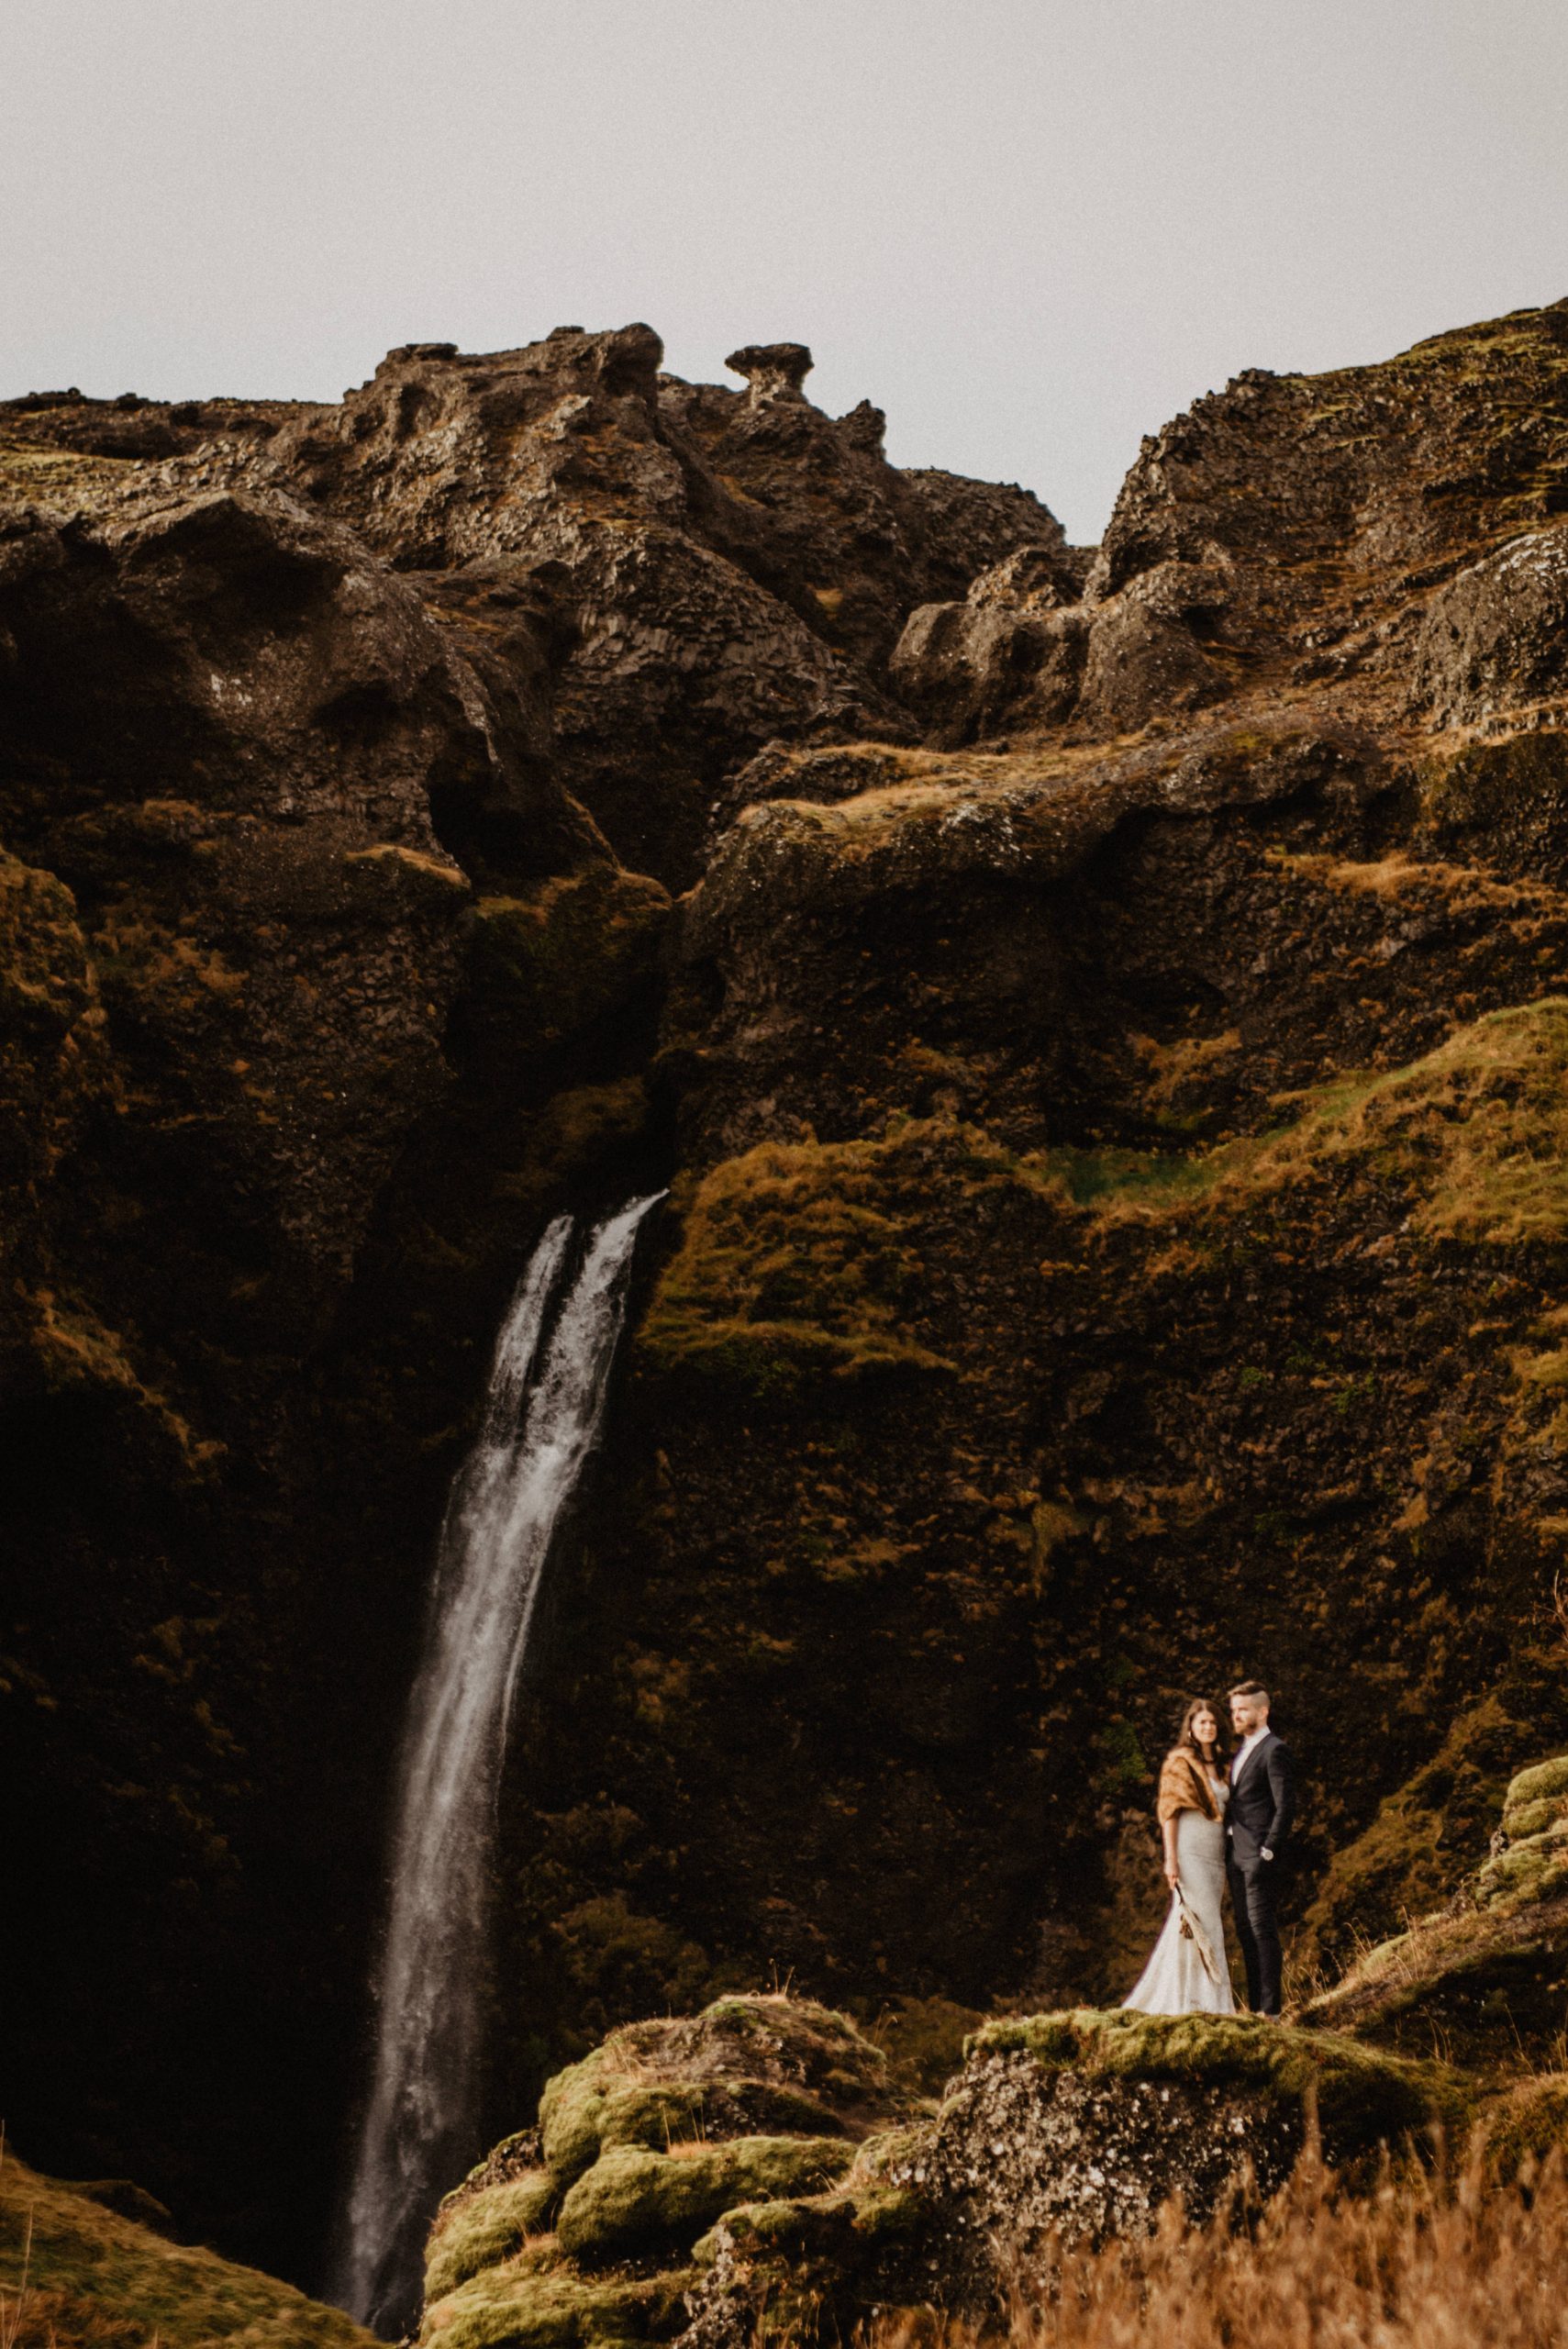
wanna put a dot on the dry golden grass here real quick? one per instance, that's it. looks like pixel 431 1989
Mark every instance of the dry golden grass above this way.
pixel 1418 2265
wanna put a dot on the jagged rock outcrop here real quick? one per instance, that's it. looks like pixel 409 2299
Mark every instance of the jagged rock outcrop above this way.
pixel 1109 1057
pixel 712 568
pixel 1289 529
pixel 694 570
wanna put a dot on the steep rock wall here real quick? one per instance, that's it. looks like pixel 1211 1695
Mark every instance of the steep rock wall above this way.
pixel 1109 1054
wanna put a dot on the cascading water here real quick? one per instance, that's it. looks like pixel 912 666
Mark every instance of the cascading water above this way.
pixel 506 1503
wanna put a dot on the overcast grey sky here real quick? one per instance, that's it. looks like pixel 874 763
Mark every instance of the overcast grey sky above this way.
pixel 1030 230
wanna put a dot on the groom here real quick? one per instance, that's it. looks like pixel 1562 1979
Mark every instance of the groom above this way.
pixel 1257 1821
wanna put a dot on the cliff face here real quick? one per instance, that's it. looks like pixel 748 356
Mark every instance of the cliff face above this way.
pixel 1109 1055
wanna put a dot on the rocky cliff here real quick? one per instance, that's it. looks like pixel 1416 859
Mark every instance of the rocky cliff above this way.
pixel 1102 1013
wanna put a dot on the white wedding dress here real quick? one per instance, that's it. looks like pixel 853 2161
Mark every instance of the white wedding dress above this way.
pixel 1175 1981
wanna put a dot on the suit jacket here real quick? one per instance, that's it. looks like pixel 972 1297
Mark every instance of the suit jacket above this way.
pixel 1263 1801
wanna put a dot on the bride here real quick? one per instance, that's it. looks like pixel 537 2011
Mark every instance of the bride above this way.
pixel 1188 1968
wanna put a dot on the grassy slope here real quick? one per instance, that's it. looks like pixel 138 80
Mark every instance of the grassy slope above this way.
pixel 73 2273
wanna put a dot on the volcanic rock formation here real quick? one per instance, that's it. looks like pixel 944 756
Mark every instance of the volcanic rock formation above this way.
pixel 1108 1048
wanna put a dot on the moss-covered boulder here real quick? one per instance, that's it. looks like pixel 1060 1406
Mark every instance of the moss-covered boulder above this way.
pixel 1484 1977
pixel 1536 1798
pixel 633 2202
pixel 1431 1834
pixel 538 2301
pixel 479 2229
pixel 744 2067
pixel 582 2230
pixel 75 2270
pixel 1081 2123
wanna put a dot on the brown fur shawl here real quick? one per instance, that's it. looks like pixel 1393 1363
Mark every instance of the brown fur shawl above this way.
pixel 1184 1785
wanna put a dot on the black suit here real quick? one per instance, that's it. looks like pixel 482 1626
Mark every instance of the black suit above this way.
pixel 1258 1816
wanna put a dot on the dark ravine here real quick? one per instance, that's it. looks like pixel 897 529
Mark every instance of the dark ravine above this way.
pixel 1104 1015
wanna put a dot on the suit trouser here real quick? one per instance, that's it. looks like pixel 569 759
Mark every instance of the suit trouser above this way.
pixel 1252 1900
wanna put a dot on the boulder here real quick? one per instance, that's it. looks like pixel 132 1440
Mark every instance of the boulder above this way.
pixel 990 662
pixel 1073 2126
pixel 583 2230
pixel 1024 655
pixel 1493 643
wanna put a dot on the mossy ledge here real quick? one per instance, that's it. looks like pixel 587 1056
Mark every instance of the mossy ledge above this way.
pixel 804 1258
pixel 1484 1975
pixel 1361 2096
pixel 1474 1133
pixel 799 1258
pixel 635 2202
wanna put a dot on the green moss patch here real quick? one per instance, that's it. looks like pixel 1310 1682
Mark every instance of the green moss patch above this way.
pixel 570 2113
pixel 1476 1133
pixel 804 1259
pixel 799 1259
pixel 865 2218
pixel 74 2271
pixel 1536 1797
pixel 1426 1836
pixel 1485 1982
pixel 745 2065
pixel 633 2202
pixel 482 2230
pixel 1526 1872
pixel 536 2302
pixel 666 2126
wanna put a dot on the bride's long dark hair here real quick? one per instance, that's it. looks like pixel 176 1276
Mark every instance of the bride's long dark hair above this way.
pixel 1187 1743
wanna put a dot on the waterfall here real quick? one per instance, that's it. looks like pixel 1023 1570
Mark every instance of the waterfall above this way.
pixel 507 1500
